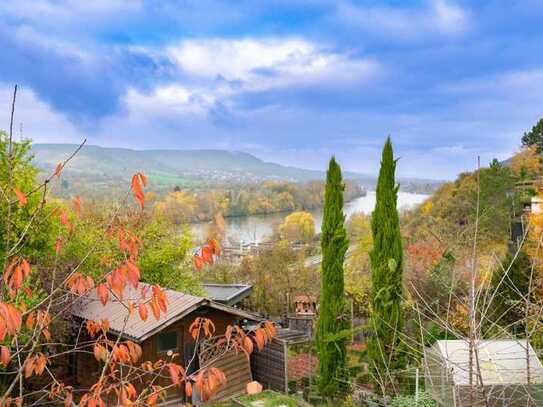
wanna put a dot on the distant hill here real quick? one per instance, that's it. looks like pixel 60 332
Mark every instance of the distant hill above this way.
pixel 97 167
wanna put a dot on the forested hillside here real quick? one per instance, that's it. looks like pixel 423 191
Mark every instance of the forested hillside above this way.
pixel 101 170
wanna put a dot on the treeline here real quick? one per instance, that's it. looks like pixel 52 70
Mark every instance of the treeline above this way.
pixel 182 206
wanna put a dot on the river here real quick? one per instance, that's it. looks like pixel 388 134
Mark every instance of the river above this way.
pixel 255 228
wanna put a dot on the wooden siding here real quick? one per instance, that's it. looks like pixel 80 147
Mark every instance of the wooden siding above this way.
pixel 237 369
pixel 87 368
pixel 270 366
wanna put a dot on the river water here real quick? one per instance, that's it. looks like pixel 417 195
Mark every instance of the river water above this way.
pixel 255 228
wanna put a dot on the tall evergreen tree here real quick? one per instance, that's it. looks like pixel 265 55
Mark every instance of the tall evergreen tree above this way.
pixel 333 320
pixel 534 136
pixel 386 258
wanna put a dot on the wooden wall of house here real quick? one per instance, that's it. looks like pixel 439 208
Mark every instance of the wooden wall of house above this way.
pixel 237 369
pixel 88 369
pixel 269 366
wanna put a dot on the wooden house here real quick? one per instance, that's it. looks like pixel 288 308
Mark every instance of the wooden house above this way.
pixel 165 336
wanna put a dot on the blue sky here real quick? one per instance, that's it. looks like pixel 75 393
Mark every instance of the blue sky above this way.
pixel 291 81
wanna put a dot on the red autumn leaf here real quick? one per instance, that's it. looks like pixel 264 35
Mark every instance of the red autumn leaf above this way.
pixel 5 355
pixel 29 367
pixel 133 273
pixel 21 197
pixel 188 389
pixel 58 169
pixel 155 308
pixel 137 180
pixel 198 262
pixel 103 293
pixel 248 345
pixel 143 179
pixel 207 255
pixel 30 320
pixel 77 205
pixel 176 373
pixel 142 311
pixel 58 244
pixel 214 246
pixel 68 399
pixel 65 221
pixel 260 339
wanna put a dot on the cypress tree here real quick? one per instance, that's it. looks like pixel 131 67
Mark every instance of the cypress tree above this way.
pixel 386 259
pixel 333 319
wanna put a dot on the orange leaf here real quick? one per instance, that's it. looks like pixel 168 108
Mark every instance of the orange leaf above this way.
pixel 176 373
pixel 21 197
pixel 103 293
pixel 198 262
pixel 155 308
pixel 68 399
pixel 142 310
pixel 65 221
pixel 248 344
pixel 5 356
pixel 136 186
pixel 30 320
pixel 58 169
pixel 207 255
pixel 58 244
pixel 188 389
pixel 133 273
pixel 77 205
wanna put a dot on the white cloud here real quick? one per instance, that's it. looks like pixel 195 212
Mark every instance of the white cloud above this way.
pixel 436 17
pixel 260 64
pixel 35 119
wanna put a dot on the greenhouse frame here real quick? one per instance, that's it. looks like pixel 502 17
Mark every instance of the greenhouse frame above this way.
pixel 505 366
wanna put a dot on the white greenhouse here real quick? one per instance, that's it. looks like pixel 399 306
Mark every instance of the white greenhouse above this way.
pixel 506 368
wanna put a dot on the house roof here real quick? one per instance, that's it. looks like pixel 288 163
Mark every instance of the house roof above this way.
pixel 180 305
pixel 500 361
pixel 229 294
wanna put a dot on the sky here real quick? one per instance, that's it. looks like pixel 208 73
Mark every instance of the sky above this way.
pixel 290 81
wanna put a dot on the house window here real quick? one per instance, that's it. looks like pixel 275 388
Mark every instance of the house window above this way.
pixel 167 341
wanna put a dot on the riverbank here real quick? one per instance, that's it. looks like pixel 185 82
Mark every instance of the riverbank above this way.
pixel 254 228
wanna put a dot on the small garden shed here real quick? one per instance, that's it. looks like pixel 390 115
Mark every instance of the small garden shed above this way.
pixel 167 334
pixel 504 370
pixel 285 361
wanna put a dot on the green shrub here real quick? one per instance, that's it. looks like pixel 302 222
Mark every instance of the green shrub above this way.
pixel 409 401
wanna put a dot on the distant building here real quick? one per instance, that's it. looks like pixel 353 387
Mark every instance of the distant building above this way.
pixel 232 295
pixel 504 371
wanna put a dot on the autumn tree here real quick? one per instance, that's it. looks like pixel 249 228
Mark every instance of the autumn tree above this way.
pixel 333 321
pixel 30 345
pixel 277 273
pixel 19 175
pixel 298 227
pixel 384 346
pixel 357 266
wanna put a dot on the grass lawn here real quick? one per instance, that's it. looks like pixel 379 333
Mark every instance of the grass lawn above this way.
pixel 267 398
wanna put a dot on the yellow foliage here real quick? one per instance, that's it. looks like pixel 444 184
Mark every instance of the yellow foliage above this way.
pixel 527 162
pixel 298 226
pixel 177 207
pixel 427 207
